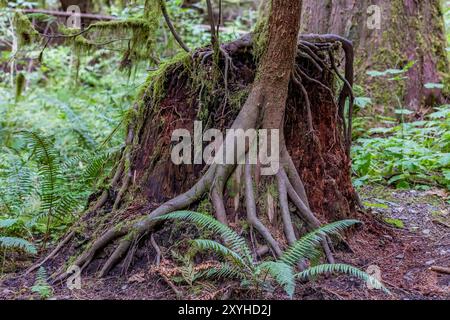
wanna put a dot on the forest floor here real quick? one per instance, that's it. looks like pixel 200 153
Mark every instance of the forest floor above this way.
pixel 410 235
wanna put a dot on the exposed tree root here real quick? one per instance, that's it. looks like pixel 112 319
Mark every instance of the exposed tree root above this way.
pixel 251 213
pixel 54 252
pixel 157 250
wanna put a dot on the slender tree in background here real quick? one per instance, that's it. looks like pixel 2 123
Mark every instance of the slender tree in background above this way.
pixel 408 31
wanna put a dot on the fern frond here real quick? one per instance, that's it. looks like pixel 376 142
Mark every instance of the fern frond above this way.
pixel 17 243
pixel 306 246
pixel 341 268
pixel 66 204
pixel 282 273
pixel 224 271
pixel 17 185
pixel 49 170
pixel 236 242
pixel 219 249
pixel 6 223
pixel 95 167
pixel 41 285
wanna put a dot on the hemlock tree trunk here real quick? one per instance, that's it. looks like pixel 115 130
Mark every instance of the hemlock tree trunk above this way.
pixel 269 80
pixel 408 31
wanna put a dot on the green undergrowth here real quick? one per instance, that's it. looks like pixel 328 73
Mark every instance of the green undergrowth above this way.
pixel 405 154
pixel 82 122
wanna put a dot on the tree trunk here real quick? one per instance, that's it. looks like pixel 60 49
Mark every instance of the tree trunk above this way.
pixel 408 31
pixel 288 85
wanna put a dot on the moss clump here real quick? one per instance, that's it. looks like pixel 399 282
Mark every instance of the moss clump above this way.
pixel 205 206
pixel 261 30
pixel 20 85
pixel 136 36
pixel 157 79
pixel 237 99
pixel 26 34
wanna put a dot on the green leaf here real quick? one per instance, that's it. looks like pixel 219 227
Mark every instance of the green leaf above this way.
pixel 434 86
pixel 403 111
pixel 376 205
pixel 342 268
pixel 6 223
pixel 444 160
pixel 395 222
pixel 363 102
pixel 18 243
pixel 306 246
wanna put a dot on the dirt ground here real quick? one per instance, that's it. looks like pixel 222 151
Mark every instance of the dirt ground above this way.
pixel 410 236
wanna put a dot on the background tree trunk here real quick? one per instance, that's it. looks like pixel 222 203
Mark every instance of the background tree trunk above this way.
pixel 409 31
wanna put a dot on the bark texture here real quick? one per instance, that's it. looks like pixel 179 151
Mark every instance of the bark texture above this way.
pixel 410 31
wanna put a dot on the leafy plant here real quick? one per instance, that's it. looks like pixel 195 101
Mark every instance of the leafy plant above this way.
pixel 10 243
pixel 405 155
pixel 17 243
pixel 239 263
pixel 41 286
pixel 54 202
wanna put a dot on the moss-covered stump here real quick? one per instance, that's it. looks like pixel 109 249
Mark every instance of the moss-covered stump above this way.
pixel 215 89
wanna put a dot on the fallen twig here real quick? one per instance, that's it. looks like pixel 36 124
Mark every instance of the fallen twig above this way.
pixel 440 269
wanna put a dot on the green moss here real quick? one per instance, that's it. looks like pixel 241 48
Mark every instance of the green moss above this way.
pixel 261 30
pixel 137 36
pixel 20 85
pixel 232 187
pixel 390 50
pixel 395 222
pixel 26 33
pixel 205 206
pixel 156 80
pixel 237 99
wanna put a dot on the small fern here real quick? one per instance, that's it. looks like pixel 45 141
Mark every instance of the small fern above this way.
pixel 187 269
pixel 240 265
pixel 41 286
pixel 54 201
